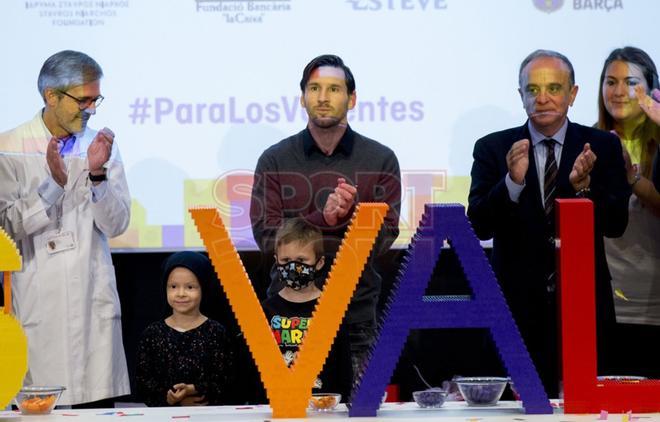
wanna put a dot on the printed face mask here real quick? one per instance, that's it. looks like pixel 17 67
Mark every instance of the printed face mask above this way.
pixel 296 274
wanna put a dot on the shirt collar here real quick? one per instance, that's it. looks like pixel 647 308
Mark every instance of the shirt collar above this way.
pixel 67 145
pixel 537 136
pixel 345 145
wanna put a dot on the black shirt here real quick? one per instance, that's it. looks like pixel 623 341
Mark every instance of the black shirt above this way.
pixel 293 178
pixel 166 357
pixel 289 322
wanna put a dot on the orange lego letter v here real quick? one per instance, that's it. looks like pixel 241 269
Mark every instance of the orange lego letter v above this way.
pixel 289 389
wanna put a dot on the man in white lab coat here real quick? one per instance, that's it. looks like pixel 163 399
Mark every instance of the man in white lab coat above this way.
pixel 63 193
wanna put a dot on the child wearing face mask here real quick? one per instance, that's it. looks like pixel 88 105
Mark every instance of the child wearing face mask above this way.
pixel 185 359
pixel 299 262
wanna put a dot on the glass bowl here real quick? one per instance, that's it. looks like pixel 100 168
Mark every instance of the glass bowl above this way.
pixel 622 379
pixel 324 402
pixel 35 400
pixel 432 397
pixel 481 391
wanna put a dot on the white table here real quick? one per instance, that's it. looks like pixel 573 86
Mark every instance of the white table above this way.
pixel 451 412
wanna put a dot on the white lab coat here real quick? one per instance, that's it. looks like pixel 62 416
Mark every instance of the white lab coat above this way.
pixel 67 302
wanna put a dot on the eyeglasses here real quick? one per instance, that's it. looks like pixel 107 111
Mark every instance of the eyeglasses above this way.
pixel 84 103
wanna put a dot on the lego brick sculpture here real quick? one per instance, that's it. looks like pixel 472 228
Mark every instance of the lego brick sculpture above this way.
pixel 289 389
pixel 13 342
pixel 407 310
pixel 583 393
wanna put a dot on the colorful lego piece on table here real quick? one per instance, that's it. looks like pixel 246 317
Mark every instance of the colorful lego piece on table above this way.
pixel 583 393
pixel 289 389
pixel 13 342
pixel 406 310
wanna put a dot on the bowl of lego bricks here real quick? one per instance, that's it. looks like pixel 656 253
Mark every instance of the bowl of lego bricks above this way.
pixel 481 391
pixel 324 402
pixel 429 398
pixel 36 400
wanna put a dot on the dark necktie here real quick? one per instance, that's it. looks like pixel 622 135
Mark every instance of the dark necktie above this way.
pixel 549 193
pixel 549 178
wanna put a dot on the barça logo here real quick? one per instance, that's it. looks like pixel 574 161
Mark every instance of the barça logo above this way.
pixel 548 6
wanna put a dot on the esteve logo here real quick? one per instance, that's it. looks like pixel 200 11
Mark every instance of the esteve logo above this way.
pixel 548 6
pixel 374 5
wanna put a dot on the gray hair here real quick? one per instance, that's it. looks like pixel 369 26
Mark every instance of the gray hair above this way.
pixel 67 69
pixel 547 53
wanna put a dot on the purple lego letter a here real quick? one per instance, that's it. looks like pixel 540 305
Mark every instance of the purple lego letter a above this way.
pixel 407 310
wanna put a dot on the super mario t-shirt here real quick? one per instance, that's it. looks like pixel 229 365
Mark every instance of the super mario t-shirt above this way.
pixel 289 322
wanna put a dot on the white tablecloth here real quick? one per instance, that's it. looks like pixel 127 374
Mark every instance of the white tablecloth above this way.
pixel 450 412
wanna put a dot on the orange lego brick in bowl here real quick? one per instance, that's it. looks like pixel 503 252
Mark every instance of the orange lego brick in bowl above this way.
pixel 323 402
pixel 38 400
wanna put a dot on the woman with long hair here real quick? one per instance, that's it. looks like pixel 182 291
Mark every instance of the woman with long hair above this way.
pixel 625 107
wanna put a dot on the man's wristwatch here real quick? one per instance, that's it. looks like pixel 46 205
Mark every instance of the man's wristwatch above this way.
pixel 97 178
pixel 583 193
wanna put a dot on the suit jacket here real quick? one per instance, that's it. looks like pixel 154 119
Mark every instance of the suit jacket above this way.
pixel 523 239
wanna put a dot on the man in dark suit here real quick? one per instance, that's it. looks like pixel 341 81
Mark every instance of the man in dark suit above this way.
pixel 516 175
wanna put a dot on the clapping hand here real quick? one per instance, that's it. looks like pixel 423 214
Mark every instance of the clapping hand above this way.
pixel 339 203
pixel 55 162
pixel 584 163
pixel 99 150
pixel 517 161
pixel 649 104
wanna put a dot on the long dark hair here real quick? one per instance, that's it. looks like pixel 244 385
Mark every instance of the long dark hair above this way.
pixel 650 132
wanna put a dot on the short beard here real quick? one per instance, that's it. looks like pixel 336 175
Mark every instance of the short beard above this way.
pixel 326 122
pixel 84 119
